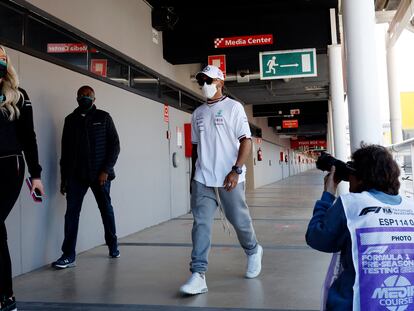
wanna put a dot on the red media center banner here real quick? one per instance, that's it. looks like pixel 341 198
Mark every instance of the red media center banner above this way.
pixel 67 48
pixel 232 42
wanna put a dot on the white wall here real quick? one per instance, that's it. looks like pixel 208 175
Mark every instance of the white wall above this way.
pixel 124 25
pixel 141 193
pixel 268 170
pixel 271 169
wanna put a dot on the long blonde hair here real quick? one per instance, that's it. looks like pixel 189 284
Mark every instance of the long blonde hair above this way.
pixel 10 89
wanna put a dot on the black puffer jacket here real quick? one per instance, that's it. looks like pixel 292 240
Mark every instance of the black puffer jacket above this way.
pixel 90 145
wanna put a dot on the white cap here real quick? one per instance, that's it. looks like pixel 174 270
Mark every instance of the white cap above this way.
pixel 212 71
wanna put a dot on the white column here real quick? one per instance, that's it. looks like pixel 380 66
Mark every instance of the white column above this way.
pixel 339 113
pixel 394 96
pixel 339 109
pixel 364 114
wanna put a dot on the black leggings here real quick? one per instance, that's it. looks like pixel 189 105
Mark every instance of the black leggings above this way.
pixel 11 180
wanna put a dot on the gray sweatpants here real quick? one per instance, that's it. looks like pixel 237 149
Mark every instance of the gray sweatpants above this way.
pixel 203 206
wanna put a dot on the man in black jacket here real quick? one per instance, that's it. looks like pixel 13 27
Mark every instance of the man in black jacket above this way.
pixel 90 148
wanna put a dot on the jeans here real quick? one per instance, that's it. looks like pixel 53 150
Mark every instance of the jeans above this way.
pixel 203 207
pixel 75 192
pixel 10 185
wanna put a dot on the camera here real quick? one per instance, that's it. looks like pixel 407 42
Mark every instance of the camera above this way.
pixel 343 170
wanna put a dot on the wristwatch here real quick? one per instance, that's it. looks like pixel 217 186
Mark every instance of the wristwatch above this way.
pixel 237 169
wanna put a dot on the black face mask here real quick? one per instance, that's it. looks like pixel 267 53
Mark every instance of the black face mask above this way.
pixel 3 69
pixel 85 102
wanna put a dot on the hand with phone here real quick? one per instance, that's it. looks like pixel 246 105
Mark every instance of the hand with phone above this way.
pixel 36 189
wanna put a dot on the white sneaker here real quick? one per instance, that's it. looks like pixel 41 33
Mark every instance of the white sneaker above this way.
pixel 196 284
pixel 254 263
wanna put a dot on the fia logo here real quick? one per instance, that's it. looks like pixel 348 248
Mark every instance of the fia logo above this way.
pixel 387 210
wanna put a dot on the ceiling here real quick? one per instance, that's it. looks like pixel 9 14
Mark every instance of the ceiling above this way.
pixel 189 29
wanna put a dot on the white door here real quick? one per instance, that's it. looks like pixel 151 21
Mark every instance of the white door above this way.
pixel 179 164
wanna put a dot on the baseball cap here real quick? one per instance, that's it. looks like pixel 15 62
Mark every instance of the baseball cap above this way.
pixel 211 71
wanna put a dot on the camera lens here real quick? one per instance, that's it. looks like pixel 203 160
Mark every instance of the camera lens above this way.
pixel 342 170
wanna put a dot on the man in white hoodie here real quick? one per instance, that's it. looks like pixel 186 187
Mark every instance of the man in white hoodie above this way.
pixel 221 141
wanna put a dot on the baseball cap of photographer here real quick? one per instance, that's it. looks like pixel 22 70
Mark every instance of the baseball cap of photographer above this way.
pixel 211 71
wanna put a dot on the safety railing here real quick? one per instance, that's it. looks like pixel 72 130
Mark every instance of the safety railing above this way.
pixel 404 155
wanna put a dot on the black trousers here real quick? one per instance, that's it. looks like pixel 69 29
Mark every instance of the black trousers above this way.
pixel 75 192
pixel 11 180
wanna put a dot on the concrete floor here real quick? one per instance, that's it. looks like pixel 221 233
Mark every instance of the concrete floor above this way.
pixel 154 263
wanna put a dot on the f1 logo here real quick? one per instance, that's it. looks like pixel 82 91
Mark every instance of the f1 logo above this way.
pixel 371 209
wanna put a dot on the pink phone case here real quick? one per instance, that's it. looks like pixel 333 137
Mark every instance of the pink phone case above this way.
pixel 36 197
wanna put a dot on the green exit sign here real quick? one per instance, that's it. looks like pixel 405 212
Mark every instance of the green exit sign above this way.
pixel 288 64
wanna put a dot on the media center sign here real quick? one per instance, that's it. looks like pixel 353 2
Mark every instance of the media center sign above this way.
pixel 240 41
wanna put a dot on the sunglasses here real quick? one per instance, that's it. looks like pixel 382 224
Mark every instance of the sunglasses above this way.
pixel 204 79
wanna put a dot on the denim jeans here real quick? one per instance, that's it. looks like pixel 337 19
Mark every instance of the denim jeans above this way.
pixel 75 192
pixel 203 207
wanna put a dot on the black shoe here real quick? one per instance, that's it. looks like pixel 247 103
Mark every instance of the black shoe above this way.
pixel 114 254
pixel 64 262
pixel 9 304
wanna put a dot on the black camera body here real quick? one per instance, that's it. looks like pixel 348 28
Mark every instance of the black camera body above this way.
pixel 343 170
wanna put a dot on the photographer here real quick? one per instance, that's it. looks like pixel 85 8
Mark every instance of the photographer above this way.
pixel 373 228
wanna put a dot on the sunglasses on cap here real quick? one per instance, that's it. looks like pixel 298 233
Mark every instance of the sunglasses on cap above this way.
pixel 204 79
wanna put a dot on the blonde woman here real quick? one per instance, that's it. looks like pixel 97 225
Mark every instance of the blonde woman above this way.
pixel 17 136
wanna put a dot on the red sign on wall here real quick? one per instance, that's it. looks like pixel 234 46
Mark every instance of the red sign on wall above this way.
pixel 290 124
pixel 99 67
pixel 218 61
pixel 295 144
pixel 232 42
pixel 166 114
pixel 187 140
